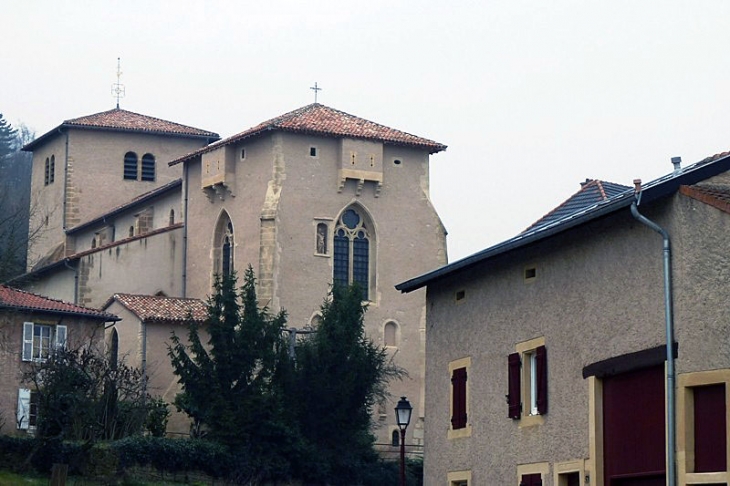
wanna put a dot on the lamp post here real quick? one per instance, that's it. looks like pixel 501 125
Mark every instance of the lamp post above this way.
pixel 403 418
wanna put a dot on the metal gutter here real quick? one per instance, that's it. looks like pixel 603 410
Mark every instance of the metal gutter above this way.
pixel 654 190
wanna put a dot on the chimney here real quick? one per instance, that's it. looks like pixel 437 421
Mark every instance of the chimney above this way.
pixel 677 163
pixel 637 186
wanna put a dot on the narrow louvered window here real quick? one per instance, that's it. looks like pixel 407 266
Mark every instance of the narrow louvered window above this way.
pixel 514 396
pixel 148 167
pixel 458 397
pixel 130 166
pixel 52 170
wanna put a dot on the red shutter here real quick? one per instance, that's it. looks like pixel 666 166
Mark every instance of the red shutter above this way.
pixel 514 398
pixel 531 480
pixel 458 396
pixel 542 383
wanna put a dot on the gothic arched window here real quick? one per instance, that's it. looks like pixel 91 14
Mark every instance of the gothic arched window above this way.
pixel 223 245
pixel 130 166
pixel 354 242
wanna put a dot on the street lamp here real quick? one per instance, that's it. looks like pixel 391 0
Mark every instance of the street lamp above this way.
pixel 403 418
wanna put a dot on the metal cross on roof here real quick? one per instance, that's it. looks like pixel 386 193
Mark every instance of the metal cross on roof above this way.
pixel 315 88
pixel 118 88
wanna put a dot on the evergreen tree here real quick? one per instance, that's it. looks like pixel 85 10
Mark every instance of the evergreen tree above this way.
pixel 8 137
pixel 232 384
pixel 341 376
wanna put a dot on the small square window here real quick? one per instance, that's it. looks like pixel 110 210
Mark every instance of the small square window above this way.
pixel 312 151
pixel 530 273
pixel 460 295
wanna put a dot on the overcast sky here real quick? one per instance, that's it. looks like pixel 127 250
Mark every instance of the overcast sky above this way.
pixel 532 97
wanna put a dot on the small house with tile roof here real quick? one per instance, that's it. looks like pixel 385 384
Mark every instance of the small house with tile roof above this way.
pixel 306 198
pixel 590 349
pixel 141 337
pixel 30 327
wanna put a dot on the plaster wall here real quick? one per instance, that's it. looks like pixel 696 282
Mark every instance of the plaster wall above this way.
pixel 279 195
pixel 125 268
pixel 81 331
pixel 598 293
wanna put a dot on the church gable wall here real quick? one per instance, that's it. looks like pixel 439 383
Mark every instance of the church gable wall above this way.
pixel 46 210
pixel 96 159
pixel 253 172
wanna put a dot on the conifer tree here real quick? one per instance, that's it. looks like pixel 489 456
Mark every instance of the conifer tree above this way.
pixel 8 137
pixel 341 376
pixel 231 384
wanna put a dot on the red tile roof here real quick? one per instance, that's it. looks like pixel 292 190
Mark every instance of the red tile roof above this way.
pixel 715 196
pixel 317 119
pixel 127 121
pixel 152 308
pixel 15 299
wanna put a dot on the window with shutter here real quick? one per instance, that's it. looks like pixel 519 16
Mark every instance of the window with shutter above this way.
pixel 458 384
pixel 531 480
pixel 459 398
pixel 23 412
pixel 527 396
pixel 514 396
pixel 27 341
pixel 40 339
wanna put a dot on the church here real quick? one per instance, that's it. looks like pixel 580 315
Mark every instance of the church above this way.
pixel 139 214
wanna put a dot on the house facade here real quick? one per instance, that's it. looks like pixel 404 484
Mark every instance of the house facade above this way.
pixel 548 355
pixel 306 198
pixel 31 326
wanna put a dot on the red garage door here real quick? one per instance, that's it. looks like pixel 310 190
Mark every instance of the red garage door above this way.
pixel 634 428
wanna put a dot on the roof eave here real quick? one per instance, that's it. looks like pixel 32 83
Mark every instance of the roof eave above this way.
pixel 653 191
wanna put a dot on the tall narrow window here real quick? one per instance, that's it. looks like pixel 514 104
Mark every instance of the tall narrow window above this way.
pixel 459 399
pixel 223 246
pixel 52 170
pixel 172 217
pixel 148 167
pixel 130 166
pixel 527 376
pixel 46 176
pixel 352 249
pixel 390 333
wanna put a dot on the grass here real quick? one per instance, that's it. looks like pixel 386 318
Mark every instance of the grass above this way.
pixel 12 479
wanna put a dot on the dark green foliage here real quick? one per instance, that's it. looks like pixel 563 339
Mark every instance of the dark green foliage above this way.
pixel 81 397
pixel 174 455
pixel 157 417
pixel 232 386
pixel 340 375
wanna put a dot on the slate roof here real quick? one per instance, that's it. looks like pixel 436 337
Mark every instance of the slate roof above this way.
pixel 318 119
pixel 657 189
pixel 126 121
pixel 15 299
pixel 591 191
pixel 152 308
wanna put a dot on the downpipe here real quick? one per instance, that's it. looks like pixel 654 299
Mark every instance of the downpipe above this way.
pixel 669 330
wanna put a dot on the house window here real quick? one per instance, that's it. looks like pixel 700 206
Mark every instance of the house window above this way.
pixel 459 375
pixel 459 478
pixel 40 339
pixel 130 166
pixel 531 480
pixel 312 151
pixel 353 243
pixel 527 394
pixel 148 167
pixel 702 405
pixel 223 246
pixel 27 413
pixel 395 438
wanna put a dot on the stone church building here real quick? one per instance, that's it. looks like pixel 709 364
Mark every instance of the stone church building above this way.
pixel 132 205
